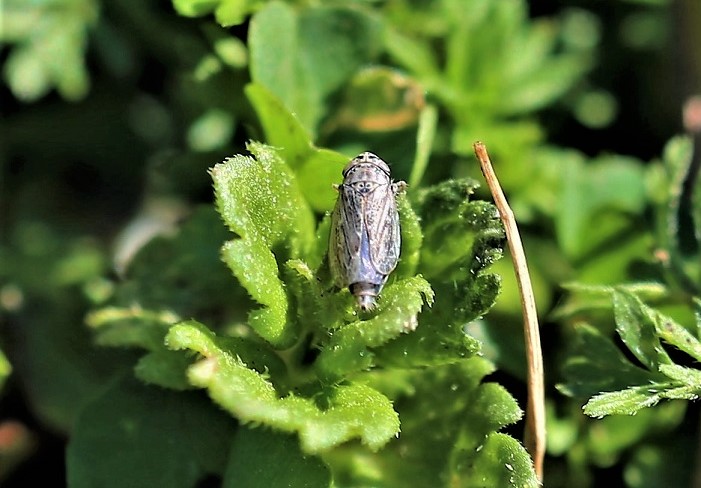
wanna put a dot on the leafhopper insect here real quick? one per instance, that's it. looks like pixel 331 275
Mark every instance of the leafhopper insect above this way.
pixel 365 237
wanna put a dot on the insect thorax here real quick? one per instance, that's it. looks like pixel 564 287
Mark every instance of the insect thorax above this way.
pixel 365 177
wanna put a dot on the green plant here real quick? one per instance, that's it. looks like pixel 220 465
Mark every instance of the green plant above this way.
pixel 195 299
pixel 297 357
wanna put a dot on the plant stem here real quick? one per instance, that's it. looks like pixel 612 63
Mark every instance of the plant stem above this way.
pixel 535 411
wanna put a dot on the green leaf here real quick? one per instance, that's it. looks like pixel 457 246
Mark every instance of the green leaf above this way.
pixel 456 229
pixel 259 200
pixel 499 461
pixel 676 225
pixel 678 336
pixel 260 458
pixel 282 128
pixel 451 439
pixel 428 122
pixel 164 368
pixel 316 169
pixel 256 268
pixel 635 323
pixel 687 376
pixel 626 402
pixel 52 56
pixel 349 349
pixel 412 238
pixel 173 276
pixel 119 440
pixel 595 364
pixel 304 55
pixel 227 12
pixel 350 411
pixel 543 85
pixel 131 327
pixel 596 193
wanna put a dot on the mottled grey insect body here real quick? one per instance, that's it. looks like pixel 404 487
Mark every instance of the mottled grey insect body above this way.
pixel 365 238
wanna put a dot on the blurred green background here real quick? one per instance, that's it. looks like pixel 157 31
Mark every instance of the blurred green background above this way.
pixel 113 111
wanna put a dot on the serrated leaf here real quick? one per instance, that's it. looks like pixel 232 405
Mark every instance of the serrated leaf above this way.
pixel 118 439
pixel 677 335
pixel 412 238
pixel 457 230
pixel 446 439
pixel 688 376
pixel 255 266
pixel 349 348
pixel 259 200
pixel 635 323
pixel 351 411
pixel 625 402
pixel 261 459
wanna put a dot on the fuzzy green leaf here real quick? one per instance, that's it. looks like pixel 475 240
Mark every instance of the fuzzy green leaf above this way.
pixel 454 438
pixel 631 400
pixel 261 459
pixel 349 348
pixel 677 335
pixel 462 238
pixel 412 238
pixel 304 55
pixel 259 200
pixel 118 439
pixel 500 461
pixel 688 376
pixel 350 411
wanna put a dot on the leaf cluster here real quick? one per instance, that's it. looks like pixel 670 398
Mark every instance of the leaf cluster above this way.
pixel 322 391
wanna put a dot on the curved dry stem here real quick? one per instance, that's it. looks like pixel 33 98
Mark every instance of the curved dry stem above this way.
pixel 535 411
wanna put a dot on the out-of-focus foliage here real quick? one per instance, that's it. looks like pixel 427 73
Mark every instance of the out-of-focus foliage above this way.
pixel 49 39
pixel 114 115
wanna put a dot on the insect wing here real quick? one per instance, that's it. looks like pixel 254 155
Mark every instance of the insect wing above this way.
pixel 382 221
pixel 346 228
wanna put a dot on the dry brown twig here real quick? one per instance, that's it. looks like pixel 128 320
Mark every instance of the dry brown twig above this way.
pixel 535 411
